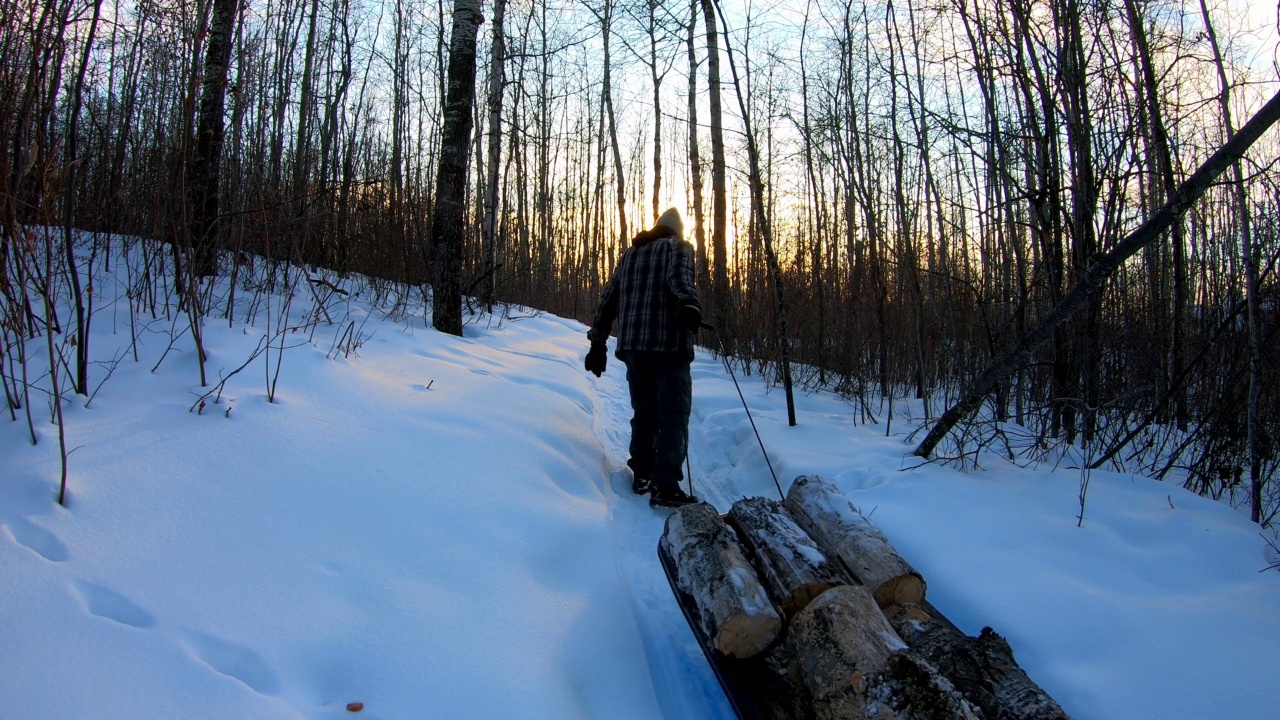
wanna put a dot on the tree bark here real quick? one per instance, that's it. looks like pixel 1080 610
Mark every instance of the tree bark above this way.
pixel 719 189
pixel 695 159
pixel 449 219
pixel 789 563
pixel 731 606
pixel 497 82
pixel 982 668
pixel 842 532
pixel 1253 312
pixel 856 667
pixel 766 232
pixel 1162 159
pixel 1091 282
pixel 69 217
pixel 206 165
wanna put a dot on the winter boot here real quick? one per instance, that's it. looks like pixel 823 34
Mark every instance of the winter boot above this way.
pixel 669 496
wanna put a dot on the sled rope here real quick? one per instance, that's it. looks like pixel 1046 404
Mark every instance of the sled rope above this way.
pixel 724 357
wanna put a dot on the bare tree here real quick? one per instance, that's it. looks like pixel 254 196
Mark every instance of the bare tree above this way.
pixel 1249 258
pixel 1091 282
pixel 206 164
pixel 719 188
pixel 448 222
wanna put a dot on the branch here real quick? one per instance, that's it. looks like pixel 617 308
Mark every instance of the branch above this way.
pixel 1186 194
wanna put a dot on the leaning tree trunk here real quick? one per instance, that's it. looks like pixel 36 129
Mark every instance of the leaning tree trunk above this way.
pixel 451 181
pixel 1091 283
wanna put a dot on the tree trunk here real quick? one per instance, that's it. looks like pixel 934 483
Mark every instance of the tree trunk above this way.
pixel 72 162
pixel 766 231
pixel 449 219
pixel 206 165
pixel 497 81
pixel 655 77
pixel 731 607
pixel 719 189
pixel 791 566
pixel 1253 314
pixel 844 533
pixel 695 159
pixel 1091 283
pixel 1162 159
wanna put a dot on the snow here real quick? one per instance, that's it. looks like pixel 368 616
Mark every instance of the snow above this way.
pixel 437 526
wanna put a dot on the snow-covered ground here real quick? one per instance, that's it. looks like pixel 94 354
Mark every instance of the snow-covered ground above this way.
pixel 442 527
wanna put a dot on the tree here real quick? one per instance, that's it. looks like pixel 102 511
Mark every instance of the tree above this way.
pixel 719 190
pixel 205 173
pixel 449 218
pixel 1091 282
pixel 497 83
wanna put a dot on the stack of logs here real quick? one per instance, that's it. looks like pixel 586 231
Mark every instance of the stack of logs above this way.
pixel 806 611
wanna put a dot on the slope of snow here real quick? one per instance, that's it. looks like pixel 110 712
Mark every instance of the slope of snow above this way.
pixel 443 527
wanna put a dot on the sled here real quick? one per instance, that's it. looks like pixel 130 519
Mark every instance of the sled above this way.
pixel 751 685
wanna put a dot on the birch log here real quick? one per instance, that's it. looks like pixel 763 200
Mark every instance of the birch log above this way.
pixel 837 526
pixel 855 667
pixel 981 668
pixel 730 606
pixel 789 563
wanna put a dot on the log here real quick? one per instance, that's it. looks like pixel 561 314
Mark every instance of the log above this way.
pixel 789 563
pixel 837 526
pixel 982 668
pixel 855 667
pixel 729 605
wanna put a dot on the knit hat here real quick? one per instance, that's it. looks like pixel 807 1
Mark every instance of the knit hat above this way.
pixel 671 220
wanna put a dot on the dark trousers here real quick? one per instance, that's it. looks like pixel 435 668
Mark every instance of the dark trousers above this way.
pixel 661 400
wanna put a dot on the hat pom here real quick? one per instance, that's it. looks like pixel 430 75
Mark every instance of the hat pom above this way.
pixel 671 220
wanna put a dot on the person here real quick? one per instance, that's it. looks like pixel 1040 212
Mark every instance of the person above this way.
pixel 653 299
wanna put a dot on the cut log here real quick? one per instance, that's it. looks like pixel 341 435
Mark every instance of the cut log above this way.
pixel 855 667
pixel 729 604
pixel 981 668
pixel 837 526
pixel 789 563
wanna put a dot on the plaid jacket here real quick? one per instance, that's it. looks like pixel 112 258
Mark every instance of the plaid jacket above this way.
pixel 653 280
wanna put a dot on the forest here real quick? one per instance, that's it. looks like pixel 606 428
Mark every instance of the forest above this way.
pixel 885 197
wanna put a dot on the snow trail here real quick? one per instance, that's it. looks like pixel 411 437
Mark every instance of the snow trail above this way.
pixel 683 682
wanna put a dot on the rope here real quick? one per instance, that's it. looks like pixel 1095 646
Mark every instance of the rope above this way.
pixel 724 357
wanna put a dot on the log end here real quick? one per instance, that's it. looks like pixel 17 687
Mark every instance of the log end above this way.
pixel 746 635
pixel 902 590
pixel 730 607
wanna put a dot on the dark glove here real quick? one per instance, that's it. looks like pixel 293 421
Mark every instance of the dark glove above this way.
pixel 597 358
pixel 690 317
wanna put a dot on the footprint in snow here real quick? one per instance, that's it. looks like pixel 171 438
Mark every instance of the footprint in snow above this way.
pixel 860 480
pixel 107 603
pixel 38 540
pixel 235 661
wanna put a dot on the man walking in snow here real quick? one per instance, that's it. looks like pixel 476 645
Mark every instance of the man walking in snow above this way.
pixel 652 296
